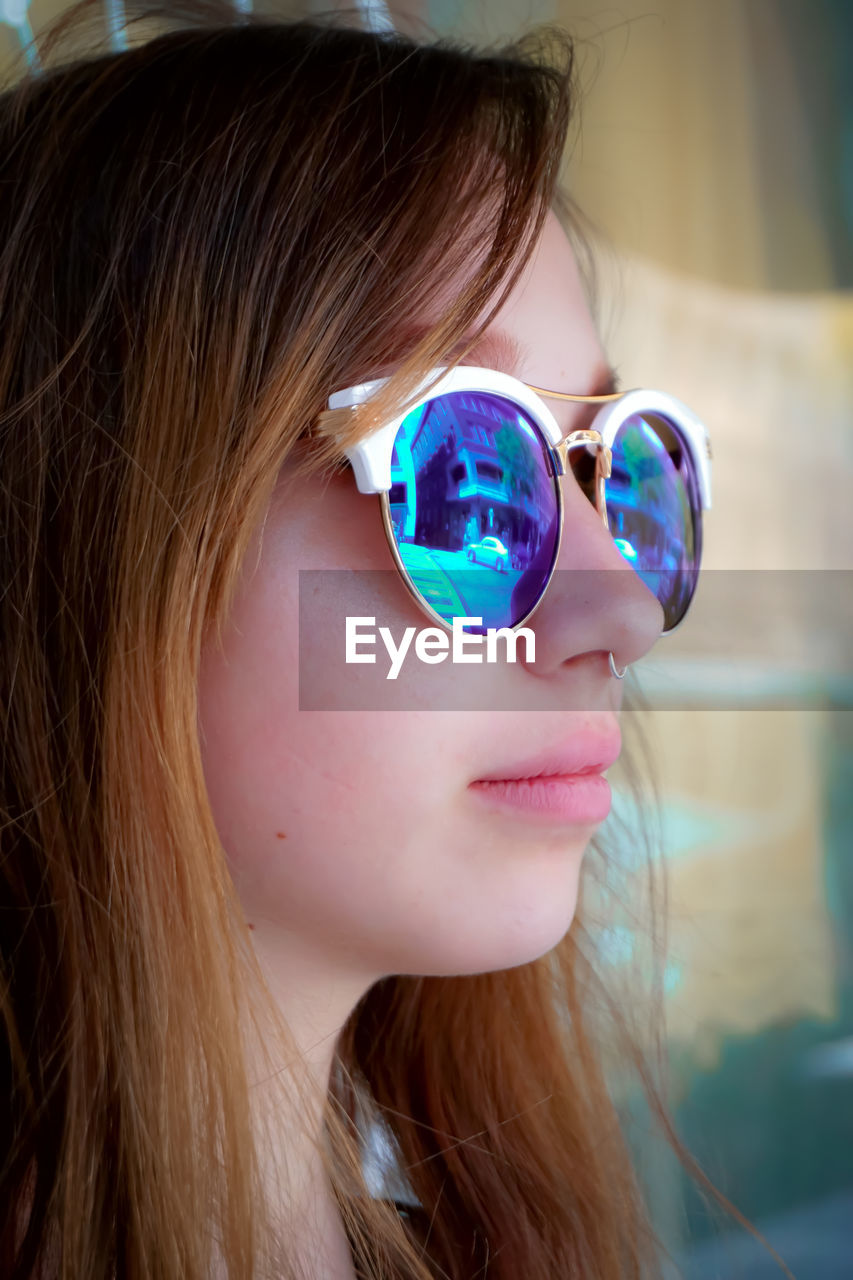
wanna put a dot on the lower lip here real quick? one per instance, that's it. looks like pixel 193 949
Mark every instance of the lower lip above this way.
pixel 579 798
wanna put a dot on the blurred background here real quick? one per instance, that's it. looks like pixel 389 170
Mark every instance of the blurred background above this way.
pixel 713 159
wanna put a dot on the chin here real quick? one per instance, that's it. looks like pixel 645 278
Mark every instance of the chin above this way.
pixel 518 942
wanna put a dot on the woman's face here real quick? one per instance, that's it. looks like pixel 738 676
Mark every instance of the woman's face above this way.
pixel 363 843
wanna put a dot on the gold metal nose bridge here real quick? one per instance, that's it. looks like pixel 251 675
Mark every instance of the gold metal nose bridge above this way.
pixel 578 439
pixel 603 460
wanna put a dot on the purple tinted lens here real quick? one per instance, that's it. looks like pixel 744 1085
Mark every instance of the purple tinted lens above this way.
pixel 654 509
pixel 474 507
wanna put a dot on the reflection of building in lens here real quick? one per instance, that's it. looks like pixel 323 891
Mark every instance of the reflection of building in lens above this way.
pixel 467 466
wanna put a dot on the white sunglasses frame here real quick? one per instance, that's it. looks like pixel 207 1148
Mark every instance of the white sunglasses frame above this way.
pixel 370 458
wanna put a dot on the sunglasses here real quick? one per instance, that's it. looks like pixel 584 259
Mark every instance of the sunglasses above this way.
pixel 469 486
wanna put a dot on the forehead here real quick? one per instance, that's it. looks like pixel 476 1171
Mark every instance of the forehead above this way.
pixel 544 333
pixel 547 313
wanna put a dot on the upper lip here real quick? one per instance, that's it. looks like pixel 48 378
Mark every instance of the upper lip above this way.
pixel 582 753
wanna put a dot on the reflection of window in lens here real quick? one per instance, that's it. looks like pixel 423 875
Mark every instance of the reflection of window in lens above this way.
pixel 489 471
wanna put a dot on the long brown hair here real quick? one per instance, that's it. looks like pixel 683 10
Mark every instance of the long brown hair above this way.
pixel 201 237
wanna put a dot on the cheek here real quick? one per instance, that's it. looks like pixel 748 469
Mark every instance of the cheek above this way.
pixel 311 807
pixel 302 801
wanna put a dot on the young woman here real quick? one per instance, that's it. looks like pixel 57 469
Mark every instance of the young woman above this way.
pixel 260 902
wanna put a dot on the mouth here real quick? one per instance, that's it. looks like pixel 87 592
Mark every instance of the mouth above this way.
pixel 582 753
pixel 581 799
pixel 563 783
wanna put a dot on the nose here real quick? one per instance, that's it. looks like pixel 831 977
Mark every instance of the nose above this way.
pixel 595 603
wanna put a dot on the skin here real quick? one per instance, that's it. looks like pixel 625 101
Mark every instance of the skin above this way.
pixel 356 843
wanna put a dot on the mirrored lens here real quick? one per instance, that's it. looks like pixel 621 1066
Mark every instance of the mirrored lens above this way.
pixel 654 509
pixel 474 507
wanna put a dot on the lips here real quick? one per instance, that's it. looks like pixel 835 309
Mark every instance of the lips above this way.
pixel 583 753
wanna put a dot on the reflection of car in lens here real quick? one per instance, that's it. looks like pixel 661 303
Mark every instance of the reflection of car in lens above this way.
pixel 489 551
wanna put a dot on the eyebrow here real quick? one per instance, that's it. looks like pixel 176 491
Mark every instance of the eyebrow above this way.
pixel 500 350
